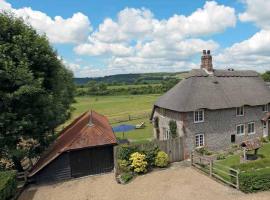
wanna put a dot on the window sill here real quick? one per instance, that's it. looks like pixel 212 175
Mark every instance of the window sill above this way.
pixel 252 133
pixel 200 147
pixel 198 122
pixel 242 134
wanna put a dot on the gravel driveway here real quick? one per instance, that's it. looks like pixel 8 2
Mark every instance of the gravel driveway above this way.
pixel 178 182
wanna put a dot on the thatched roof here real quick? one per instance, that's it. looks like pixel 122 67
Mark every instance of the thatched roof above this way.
pixel 222 89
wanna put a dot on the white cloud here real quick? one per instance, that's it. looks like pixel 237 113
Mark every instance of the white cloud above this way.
pixel 4 5
pixel 101 48
pixel 138 42
pixel 59 30
pixel 257 11
pixel 254 52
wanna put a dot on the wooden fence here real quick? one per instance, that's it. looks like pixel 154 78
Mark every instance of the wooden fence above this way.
pixel 173 147
pixel 126 118
pixel 220 172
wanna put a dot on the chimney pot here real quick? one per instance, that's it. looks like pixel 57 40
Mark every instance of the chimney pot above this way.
pixel 206 61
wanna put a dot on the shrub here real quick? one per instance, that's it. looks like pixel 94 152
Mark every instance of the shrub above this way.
pixel 221 156
pixel 150 154
pixel 203 151
pixel 264 139
pixel 254 181
pixel 138 162
pixel 173 128
pixel 162 159
pixel 126 177
pixel 123 165
pixel 156 122
pixel 8 184
pixel 125 151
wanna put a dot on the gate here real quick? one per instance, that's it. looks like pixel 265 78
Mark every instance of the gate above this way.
pixel 215 170
pixel 173 147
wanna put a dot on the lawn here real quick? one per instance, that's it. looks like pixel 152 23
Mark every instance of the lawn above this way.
pixel 230 161
pixel 119 108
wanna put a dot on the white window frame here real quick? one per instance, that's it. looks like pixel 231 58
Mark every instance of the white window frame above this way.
pixel 237 129
pixel 250 133
pixel 265 108
pixel 166 133
pixel 243 110
pixel 194 115
pixel 200 143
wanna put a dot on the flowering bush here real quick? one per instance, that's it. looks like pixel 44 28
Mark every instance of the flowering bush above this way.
pixel 162 159
pixel 6 164
pixel 27 144
pixel 138 162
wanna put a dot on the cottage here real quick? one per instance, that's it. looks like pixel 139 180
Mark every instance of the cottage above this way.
pixel 85 147
pixel 214 108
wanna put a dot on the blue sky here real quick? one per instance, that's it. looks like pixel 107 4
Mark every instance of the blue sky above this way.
pixel 98 38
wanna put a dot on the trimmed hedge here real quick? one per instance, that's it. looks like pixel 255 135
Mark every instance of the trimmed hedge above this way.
pixel 254 181
pixel 8 184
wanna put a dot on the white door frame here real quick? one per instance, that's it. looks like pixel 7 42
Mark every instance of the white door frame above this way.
pixel 265 128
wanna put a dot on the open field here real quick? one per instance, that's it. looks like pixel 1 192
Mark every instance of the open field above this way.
pixel 119 108
pixel 132 86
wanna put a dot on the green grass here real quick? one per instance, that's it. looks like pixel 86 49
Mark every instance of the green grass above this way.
pixel 115 106
pixel 233 160
pixel 131 86
pixel 119 108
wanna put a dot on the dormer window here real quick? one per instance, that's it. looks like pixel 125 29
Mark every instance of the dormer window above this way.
pixel 265 108
pixel 199 116
pixel 240 111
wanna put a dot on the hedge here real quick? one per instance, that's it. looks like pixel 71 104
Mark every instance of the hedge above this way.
pixel 255 180
pixel 8 184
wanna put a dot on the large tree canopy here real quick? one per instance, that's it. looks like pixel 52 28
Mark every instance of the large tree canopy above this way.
pixel 266 76
pixel 36 90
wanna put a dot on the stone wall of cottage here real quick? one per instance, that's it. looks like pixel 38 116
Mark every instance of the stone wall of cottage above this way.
pixel 218 126
pixel 164 118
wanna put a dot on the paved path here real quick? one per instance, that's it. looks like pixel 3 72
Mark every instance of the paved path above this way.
pixel 176 183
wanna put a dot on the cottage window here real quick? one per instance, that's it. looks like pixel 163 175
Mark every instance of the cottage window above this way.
pixel 166 133
pixel 265 108
pixel 198 116
pixel 240 129
pixel 240 111
pixel 199 140
pixel 251 128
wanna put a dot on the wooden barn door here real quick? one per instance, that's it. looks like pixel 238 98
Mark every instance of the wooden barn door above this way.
pixel 102 160
pixel 91 161
pixel 80 163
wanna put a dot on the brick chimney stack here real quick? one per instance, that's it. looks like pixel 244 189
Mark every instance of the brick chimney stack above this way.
pixel 206 61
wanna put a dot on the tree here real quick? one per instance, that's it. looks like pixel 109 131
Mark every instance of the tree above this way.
pixel 266 76
pixel 36 90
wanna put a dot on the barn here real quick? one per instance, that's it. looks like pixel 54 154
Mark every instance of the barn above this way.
pixel 85 147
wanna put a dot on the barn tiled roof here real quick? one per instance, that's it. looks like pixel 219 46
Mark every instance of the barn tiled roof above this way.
pixel 222 89
pixel 88 130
